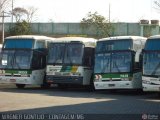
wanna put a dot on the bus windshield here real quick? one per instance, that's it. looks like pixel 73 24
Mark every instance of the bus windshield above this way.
pixel 113 62
pixel 65 53
pixel 103 46
pixel 152 44
pixel 102 63
pixel 151 63
pixel 121 62
pixel 56 52
pixel 11 59
pixel 18 43
pixel 73 54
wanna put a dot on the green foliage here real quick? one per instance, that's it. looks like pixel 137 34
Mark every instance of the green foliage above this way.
pixel 102 26
pixel 21 28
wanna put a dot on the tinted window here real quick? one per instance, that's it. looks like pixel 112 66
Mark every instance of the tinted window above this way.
pixel 103 46
pixel 40 44
pixel 56 53
pixel 18 43
pixel 152 44
pixel 73 54
pixel 12 59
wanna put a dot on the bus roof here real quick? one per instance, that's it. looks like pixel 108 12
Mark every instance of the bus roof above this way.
pixel 37 37
pixel 74 39
pixel 154 36
pixel 122 37
pixel 89 42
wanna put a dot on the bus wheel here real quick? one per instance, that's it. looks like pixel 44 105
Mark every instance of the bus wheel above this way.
pixel 90 87
pixel 45 85
pixel 63 86
pixel 20 86
pixel 112 90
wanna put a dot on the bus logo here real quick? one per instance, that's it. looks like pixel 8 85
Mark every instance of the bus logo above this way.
pixel 124 75
pixel 22 72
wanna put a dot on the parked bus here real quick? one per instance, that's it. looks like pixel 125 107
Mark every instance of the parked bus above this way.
pixel 151 64
pixel 23 60
pixel 0 47
pixel 118 63
pixel 71 61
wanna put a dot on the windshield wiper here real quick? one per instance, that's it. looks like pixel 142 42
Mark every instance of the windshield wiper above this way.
pixel 117 67
pixel 14 58
pixel 154 71
pixel 105 67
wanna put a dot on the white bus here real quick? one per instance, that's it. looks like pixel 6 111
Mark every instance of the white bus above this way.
pixel 151 64
pixel 118 63
pixel 23 60
pixel 71 61
pixel 0 47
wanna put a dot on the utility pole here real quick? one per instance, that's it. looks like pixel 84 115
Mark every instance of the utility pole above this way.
pixel 3 16
pixel 12 11
pixel 109 12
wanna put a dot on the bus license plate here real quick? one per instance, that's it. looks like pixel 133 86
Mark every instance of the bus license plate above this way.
pixel 111 85
pixel 12 80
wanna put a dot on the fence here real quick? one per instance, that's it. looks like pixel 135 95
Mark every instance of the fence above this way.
pixel 75 29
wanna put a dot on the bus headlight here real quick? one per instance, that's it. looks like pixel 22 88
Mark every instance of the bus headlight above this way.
pixel 146 82
pixel 75 74
pixel 126 79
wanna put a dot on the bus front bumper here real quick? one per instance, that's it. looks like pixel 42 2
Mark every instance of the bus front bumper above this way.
pixel 52 79
pixel 113 85
pixel 16 80
pixel 152 88
pixel 151 84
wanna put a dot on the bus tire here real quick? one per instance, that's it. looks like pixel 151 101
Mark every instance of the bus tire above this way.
pixel 63 86
pixel 20 86
pixel 91 86
pixel 113 90
pixel 45 86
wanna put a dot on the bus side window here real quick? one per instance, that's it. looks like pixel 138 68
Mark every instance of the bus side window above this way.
pixel 88 59
pixel 39 61
pixel 40 45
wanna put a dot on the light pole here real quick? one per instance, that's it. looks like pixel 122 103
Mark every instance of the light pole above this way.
pixel 3 16
pixel 109 12
pixel 12 11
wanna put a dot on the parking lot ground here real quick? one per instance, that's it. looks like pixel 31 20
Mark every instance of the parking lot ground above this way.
pixel 76 101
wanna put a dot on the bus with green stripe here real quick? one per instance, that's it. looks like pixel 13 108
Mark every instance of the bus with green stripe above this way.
pixel 23 60
pixel 151 64
pixel 118 63
pixel 71 61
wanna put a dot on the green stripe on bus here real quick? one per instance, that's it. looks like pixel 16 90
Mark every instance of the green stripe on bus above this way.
pixel 19 71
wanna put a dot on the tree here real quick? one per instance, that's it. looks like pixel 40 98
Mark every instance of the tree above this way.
pixel 102 26
pixel 26 14
pixel 157 5
pixel 21 28
pixel 23 19
pixel 3 5
pixel 18 13
pixel 31 13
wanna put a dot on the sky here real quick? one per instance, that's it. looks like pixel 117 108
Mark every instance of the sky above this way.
pixel 75 10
